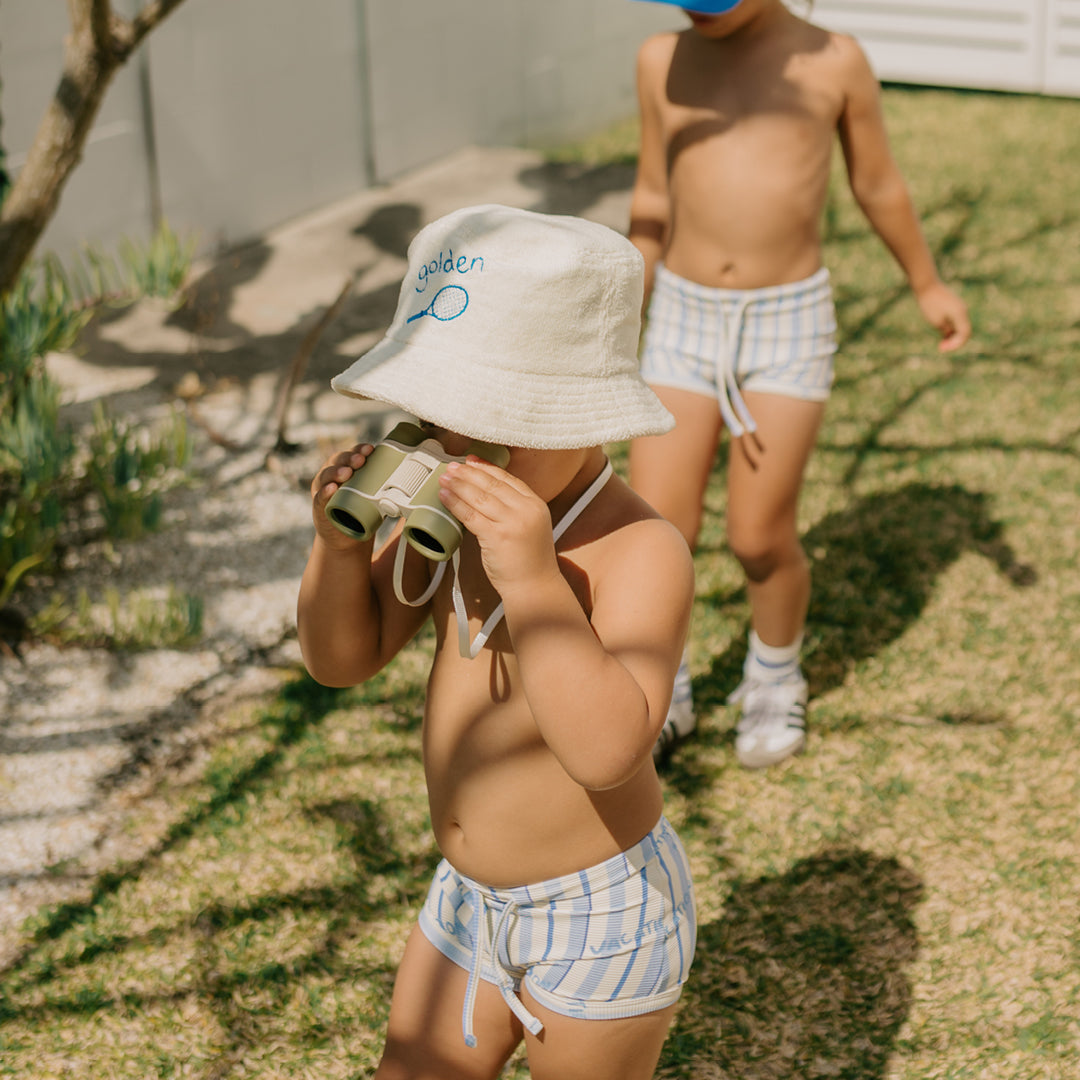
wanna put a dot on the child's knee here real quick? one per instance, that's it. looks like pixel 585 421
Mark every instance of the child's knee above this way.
pixel 758 566
pixel 762 551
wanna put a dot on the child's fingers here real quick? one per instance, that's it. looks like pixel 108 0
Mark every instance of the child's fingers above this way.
pixel 510 522
pixel 471 494
pixel 339 468
pixel 498 475
pixel 946 311
pixel 490 502
pixel 955 331
pixel 951 341
pixel 464 511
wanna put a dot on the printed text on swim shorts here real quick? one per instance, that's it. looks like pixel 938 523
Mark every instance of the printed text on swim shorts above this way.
pixel 646 930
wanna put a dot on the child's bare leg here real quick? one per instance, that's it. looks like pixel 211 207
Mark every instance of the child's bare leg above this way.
pixel 424 1039
pixel 764 481
pixel 572 1049
pixel 671 471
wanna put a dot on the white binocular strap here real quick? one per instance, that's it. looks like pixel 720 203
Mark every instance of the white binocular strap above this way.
pixel 399 569
pixel 471 650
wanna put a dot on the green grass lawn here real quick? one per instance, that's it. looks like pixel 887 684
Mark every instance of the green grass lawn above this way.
pixel 901 901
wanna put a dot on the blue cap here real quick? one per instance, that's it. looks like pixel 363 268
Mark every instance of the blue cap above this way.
pixel 704 7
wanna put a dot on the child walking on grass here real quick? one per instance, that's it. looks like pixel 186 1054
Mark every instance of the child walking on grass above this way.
pixel 562 912
pixel 738 117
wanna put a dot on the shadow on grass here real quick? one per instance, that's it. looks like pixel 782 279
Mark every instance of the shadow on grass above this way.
pixel 370 852
pixel 802 975
pixel 874 568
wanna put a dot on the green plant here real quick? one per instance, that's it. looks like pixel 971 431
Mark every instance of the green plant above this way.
pixel 93 277
pixel 131 621
pixel 129 468
pixel 40 315
pixel 51 475
pixel 35 466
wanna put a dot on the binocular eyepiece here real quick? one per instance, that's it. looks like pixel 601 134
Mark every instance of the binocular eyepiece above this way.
pixel 401 479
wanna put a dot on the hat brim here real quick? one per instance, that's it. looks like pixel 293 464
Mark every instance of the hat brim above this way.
pixel 513 408
pixel 703 7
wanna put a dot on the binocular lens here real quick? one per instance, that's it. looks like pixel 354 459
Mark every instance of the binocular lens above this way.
pixel 432 530
pixel 344 520
pixel 424 542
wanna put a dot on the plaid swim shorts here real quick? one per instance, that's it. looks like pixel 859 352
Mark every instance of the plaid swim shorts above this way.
pixel 780 340
pixel 615 940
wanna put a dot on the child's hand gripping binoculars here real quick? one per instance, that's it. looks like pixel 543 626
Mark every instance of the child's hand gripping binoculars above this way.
pixel 401 479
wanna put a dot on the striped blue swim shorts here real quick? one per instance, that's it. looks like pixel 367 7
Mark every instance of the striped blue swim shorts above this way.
pixel 780 340
pixel 612 941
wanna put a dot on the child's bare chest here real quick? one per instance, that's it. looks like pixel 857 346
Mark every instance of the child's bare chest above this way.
pixel 475 612
pixel 749 97
pixel 806 117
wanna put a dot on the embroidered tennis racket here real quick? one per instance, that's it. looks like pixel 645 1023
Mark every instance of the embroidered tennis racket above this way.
pixel 448 303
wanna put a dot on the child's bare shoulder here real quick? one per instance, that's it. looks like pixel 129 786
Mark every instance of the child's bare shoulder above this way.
pixel 655 52
pixel 642 580
pixel 630 533
pixel 844 56
pixel 826 60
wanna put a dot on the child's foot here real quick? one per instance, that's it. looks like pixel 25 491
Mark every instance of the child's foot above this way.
pixel 680 720
pixel 773 722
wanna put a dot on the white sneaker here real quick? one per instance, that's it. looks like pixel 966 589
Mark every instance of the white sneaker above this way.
pixel 773 722
pixel 680 720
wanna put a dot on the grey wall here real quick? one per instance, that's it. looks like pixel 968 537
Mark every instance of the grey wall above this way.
pixel 256 106
pixel 495 72
pixel 237 115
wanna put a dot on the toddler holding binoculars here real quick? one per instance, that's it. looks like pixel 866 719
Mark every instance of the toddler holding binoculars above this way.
pixel 562 912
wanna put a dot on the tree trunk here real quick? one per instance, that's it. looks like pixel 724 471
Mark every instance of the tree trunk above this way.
pixel 98 45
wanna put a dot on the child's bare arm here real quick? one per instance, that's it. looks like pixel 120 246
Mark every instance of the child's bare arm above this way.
pixel 598 690
pixel 349 622
pixel 882 194
pixel 650 211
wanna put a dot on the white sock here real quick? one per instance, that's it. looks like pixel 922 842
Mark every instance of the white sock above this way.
pixel 772 663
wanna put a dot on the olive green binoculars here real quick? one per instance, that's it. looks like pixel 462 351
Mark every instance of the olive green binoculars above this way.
pixel 401 479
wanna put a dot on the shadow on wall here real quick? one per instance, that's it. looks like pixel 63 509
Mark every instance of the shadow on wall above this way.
pixel 802 975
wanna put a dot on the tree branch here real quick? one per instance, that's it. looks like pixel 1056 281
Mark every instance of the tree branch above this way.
pixel 127 33
pixel 99 43
pixel 91 17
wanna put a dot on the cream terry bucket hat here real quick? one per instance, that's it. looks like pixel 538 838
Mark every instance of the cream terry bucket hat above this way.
pixel 517 328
